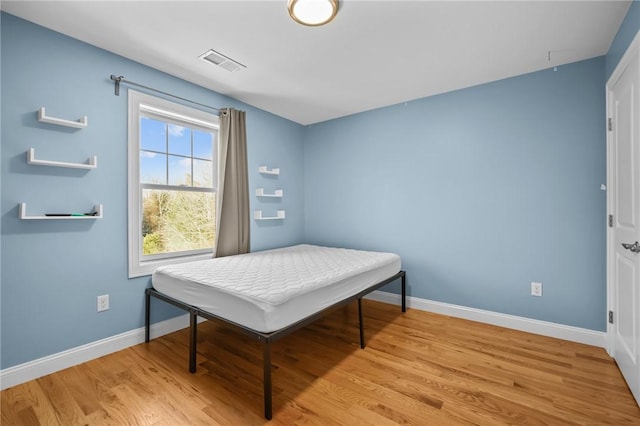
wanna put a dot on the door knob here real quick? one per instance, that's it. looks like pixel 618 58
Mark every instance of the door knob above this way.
pixel 635 247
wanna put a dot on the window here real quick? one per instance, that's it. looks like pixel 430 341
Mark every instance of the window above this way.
pixel 173 171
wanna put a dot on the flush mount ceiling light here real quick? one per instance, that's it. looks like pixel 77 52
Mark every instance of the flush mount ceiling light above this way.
pixel 313 12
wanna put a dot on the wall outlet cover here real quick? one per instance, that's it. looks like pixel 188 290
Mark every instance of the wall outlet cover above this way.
pixel 536 289
pixel 103 302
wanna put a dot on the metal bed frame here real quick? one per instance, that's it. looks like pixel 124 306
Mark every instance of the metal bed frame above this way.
pixel 265 338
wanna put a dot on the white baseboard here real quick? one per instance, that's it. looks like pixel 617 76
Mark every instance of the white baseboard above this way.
pixel 544 328
pixel 50 364
pixel 22 373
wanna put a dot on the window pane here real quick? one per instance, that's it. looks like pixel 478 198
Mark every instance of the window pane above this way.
pixel 179 140
pixel 203 145
pixel 153 168
pixel 175 221
pixel 153 135
pixel 179 171
pixel 203 173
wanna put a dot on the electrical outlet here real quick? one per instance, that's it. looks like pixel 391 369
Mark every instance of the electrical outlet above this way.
pixel 103 302
pixel 536 289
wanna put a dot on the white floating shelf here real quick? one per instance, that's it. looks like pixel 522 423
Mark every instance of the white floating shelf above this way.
pixel 78 124
pixel 257 215
pixel 266 171
pixel 278 193
pixel 91 163
pixel 73 216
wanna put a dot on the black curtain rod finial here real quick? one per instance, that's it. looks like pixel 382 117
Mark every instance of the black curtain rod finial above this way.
pixel 117 81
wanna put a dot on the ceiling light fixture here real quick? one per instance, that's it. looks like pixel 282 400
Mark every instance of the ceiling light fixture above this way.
pixel 313 12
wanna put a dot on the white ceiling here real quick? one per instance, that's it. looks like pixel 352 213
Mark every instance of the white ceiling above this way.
pixel 375 53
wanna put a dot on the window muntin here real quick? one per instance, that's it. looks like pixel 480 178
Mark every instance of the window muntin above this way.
pixel 172 183
pixel 176 155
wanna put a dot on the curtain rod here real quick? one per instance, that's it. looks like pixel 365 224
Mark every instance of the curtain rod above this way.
pixel 121 79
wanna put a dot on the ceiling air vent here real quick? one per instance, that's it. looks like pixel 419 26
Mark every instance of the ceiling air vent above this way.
pixel 222 61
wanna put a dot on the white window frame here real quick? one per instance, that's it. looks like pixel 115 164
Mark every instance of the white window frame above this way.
pixel 140 265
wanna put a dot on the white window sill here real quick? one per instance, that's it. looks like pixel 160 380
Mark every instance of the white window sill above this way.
pixel 146 268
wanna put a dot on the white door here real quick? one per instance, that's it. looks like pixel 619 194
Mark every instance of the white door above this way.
pixel 624 206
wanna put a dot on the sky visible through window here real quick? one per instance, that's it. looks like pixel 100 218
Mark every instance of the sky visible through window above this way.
pixel 175 155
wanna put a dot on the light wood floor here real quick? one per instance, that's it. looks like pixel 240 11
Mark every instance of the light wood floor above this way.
pixel 418 368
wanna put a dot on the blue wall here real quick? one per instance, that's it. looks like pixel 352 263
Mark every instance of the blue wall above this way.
pixel 627 31
pixel 52 271
pixel 481 191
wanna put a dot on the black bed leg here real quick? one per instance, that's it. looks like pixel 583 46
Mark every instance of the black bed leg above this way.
pixel 404 293
pixel 267 380
pixel 147 315
pixel 193 339
pixel 360 321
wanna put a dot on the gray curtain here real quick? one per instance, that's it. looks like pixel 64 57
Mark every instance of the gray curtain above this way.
pixel 232 218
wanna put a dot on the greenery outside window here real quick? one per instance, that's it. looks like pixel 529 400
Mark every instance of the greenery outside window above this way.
pixel 173 161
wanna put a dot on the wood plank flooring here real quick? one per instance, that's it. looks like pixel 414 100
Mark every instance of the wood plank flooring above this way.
pixel 418 369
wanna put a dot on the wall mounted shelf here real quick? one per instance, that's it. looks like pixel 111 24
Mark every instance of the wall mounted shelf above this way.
pixel 22 212
pixel 266 171
pixel 257 215
pixel 278 193
pixel 91 163
pixel 78 124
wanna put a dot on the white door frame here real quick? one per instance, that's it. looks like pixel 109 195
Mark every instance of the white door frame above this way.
pixel 634 47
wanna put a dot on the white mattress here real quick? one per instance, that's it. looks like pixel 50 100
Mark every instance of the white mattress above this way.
pixel 271 289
